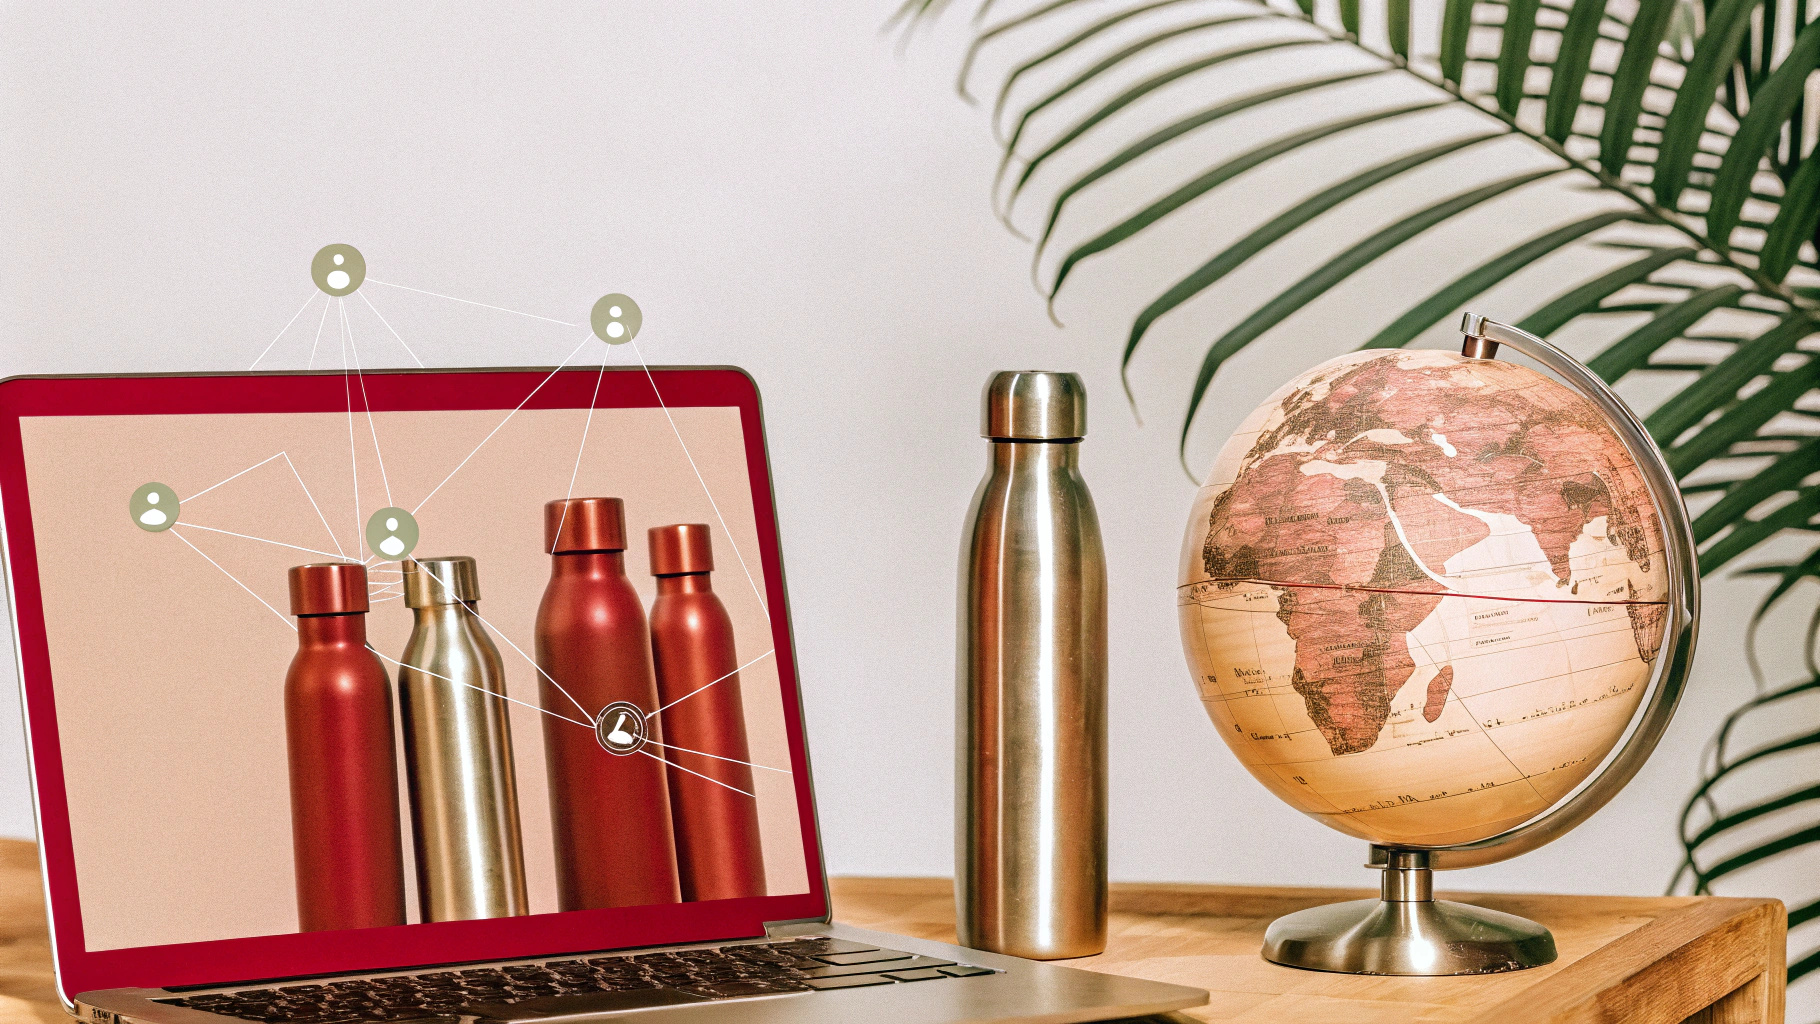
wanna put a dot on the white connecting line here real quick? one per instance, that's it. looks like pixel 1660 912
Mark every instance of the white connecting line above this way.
pixel 587 423
pixel 236 476
pixel 311 365
pixel 282 617
pixel 697 774
pixel 347 385
pixel 389 327
pixel 262 540
pixel 471 302
pixel 502 423
pixel 704 483
pixel 377 454
pixel 704 686
pixel 306 493
pixel 287 326
pixel 448 587
pixel 717 757
pixel 482 689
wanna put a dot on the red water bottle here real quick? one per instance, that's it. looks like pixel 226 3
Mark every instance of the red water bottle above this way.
pixel 609 807
pixel 712 802
pixel 344 768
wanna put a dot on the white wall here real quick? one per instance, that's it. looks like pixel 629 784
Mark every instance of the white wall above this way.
pixel 779 191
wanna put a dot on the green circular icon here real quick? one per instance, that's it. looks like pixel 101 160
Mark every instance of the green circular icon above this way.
pixel 392 534
pixel 338 269
pixel 153 507
pixel 616 319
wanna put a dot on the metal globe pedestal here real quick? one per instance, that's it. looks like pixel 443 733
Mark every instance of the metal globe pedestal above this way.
pixel 1407 932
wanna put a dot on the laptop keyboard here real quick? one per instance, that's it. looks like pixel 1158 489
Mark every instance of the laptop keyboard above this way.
pixel 529 992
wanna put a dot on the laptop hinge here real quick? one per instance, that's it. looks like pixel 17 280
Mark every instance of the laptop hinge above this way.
pixel 792 929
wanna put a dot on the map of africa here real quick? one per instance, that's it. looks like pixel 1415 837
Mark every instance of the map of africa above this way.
pixel 1422 594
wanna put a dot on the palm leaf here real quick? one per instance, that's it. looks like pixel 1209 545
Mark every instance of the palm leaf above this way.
pixel 1436 307
pixel 1280 227
pixel 1570 67
pixel 1513 55
pixel 1762 128
pixel 1629 82
pixel 1206 182
pixel 1338 269
pixel 1170 133
pixel 1718 48
pixel 1795 223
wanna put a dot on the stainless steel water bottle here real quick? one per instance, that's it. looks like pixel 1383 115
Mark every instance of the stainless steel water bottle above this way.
pixel 458 751
pixel 1030 773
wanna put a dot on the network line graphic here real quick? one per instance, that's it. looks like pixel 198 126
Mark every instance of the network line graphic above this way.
pixel 390 532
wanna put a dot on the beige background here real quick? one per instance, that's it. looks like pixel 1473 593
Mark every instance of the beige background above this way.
pixel 169 677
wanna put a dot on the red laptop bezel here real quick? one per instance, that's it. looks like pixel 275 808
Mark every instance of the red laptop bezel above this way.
pixel 276 956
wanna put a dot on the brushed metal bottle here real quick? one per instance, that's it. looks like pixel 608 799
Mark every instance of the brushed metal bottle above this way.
pixel 1030 773
pixel 458 751
pixel 345 834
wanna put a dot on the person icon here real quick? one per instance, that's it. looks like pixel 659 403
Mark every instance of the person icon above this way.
pixel 154 507
pixel 392 534
pixel 620 728
pixel 616 319
pixel 391 546
pixel 338 269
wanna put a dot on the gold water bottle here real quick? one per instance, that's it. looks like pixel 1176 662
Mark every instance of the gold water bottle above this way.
pixel 458 751
pixel 1030 772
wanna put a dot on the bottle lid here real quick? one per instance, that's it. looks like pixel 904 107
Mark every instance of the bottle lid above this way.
pixel 430 581
pixel 1034 405
pixel 584 524
pixel 682 549
pixel 328 588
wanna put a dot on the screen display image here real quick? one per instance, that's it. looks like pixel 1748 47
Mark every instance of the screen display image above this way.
pixel 395 664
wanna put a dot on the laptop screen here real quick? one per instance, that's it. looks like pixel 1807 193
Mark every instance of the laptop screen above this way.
pixel 332 672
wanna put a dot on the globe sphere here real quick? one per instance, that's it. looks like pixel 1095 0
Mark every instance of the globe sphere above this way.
pixel 1422 594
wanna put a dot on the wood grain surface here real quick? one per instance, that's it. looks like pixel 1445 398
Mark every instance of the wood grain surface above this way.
pixel 1661 960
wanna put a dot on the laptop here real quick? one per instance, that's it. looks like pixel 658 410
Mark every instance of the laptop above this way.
pixel 156 529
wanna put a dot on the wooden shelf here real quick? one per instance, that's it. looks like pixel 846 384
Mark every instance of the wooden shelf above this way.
pixel 1660 960
pixel 1654 960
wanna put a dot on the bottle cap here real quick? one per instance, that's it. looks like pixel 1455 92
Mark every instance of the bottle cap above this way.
pixel 328 588
pixel 683 549
pixel 1034 405
pixel 429 581
pixel 587 524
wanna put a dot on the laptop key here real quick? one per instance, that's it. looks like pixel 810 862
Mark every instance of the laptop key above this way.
pixel 926 974
pixel 964 971
pixel 850 981
pixel 823 944
pixel 866 957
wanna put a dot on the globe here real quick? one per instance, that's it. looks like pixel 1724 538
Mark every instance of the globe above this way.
pixel 1422 594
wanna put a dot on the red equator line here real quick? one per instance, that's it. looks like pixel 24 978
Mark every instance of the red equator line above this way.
pixel 1424 593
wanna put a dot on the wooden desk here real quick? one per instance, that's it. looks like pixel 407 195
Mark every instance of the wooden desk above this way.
pixel 1641 961
pixel 1657 960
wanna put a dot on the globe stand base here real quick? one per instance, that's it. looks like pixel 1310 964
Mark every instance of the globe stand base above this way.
pixel 1407 932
